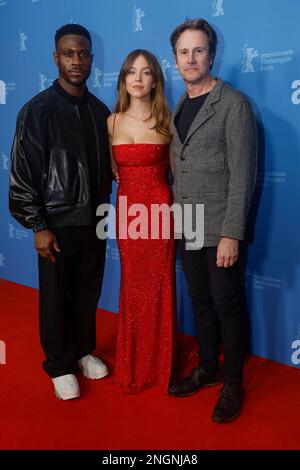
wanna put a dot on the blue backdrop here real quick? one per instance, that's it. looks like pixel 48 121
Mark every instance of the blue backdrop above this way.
pixel 258 53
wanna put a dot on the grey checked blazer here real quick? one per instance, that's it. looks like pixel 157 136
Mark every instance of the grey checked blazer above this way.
pixel 216 164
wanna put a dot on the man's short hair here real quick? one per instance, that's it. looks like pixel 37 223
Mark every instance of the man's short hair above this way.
pixel 196 24
pixel 72 28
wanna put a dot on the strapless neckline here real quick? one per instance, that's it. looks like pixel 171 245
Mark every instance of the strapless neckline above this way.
pixel 138 143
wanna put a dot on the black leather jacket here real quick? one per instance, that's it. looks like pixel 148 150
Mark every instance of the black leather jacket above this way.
pixel 49 181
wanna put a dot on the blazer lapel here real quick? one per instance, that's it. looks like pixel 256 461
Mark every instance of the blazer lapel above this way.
pixel 174 115
pixel 206 111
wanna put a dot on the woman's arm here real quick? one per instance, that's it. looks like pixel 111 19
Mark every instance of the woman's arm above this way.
pixel 114 166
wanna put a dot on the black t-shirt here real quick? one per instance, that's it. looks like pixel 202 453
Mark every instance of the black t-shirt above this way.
pixel 89 139
pixel 188 112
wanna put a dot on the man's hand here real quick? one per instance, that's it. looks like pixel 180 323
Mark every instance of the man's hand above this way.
pixel 44 242
pixel 227 252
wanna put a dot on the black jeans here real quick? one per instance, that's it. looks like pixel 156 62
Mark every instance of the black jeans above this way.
pixel 218 300
pixel 69 294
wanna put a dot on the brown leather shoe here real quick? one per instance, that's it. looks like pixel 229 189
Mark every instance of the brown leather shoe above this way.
pixel 194 382
pixel 229 404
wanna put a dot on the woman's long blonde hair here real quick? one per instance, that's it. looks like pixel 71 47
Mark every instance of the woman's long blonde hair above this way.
pixel 159 108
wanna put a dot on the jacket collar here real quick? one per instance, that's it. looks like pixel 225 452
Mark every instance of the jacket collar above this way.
pixel 75 100
pixel 204 113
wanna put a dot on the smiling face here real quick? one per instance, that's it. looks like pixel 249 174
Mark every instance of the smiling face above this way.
pixel 73 58
pixel 139 80
pixel 192 56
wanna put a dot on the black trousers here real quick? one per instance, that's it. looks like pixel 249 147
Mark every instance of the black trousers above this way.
pixel 69 294
pixel 218 300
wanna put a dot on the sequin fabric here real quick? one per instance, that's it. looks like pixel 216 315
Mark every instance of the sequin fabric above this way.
pixel 144 353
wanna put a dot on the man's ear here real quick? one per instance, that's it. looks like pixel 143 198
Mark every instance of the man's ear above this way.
pixel 175 60
pixel 55 57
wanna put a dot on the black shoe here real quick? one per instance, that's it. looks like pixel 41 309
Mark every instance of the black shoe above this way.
pixel 194 382
pixel 229 404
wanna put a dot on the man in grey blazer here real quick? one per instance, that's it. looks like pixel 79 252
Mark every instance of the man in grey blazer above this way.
pixel 214 163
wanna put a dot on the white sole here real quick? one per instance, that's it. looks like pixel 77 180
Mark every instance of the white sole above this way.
pixel 70 397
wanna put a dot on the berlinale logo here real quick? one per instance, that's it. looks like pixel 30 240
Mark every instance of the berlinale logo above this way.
pixel 218 9
pixel 97 74
pixel 250 53
pixel 44 81
pixel 165 65
pixel 5 161
pixel 2 92
pixel 11 231
pixel 22 39
pixel 138 14
pixel 295 97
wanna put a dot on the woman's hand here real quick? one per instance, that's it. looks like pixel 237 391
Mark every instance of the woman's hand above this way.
pixel 116 177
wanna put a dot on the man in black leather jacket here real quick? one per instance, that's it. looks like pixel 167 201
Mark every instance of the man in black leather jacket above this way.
pixel 60 173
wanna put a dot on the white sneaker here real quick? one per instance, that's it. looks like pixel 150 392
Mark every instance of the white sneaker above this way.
pixel 92 367
pixel 66 387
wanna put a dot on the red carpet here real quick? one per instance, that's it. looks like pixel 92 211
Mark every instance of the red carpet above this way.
pixel 104 418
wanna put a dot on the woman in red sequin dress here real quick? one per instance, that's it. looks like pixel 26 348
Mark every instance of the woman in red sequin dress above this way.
pixel 139 134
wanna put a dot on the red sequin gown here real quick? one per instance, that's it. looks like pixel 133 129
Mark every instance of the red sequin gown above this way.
pixel 144 352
